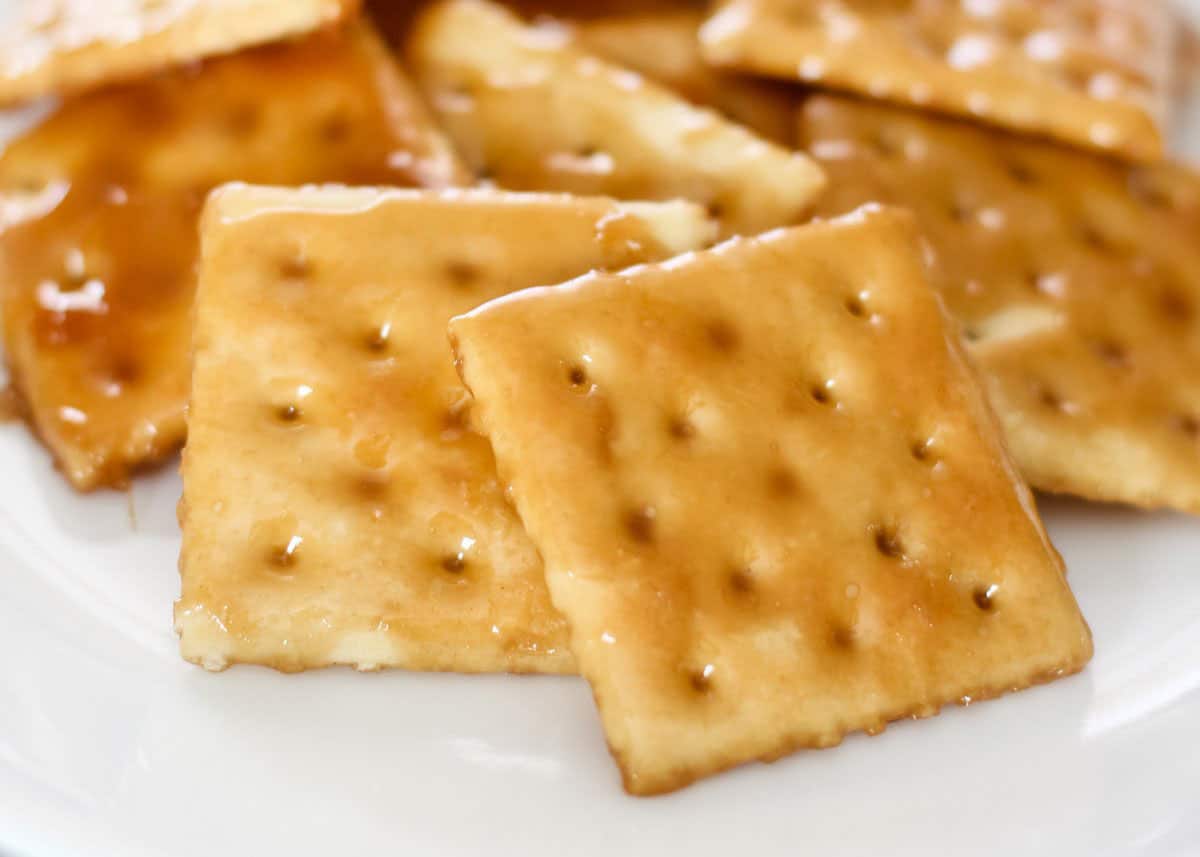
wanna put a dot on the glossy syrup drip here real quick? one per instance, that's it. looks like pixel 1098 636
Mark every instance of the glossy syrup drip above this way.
pixel 98 258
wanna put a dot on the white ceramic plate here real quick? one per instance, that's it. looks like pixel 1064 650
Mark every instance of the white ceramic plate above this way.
pixel 111 745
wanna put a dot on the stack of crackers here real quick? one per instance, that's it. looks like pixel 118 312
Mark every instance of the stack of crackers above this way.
pixel 707 352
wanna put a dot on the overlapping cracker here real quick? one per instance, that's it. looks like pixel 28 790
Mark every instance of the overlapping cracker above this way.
pixel 663 46
pixel 337 509
pixel 1094 73
pixel 656 39
pixel 57 46
pixel 98 208
pixel 771 500
pixel 530 111
pixel 1077 281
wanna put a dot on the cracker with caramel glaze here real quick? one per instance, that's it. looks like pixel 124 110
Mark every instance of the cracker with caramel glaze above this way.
pixel 1076 281
pixel 1092 73
pixel 59 46
pixel 528 110
pixel 771 499
pixel 656 39
pixel 337 509
pixel 98 210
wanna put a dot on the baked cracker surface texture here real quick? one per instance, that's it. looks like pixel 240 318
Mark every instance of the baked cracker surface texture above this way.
pixel 771 499
pixel 64 46
pixel 529 110
pixel 337 507
pixel 99 203
pixel 1076 281
pixel 1091 73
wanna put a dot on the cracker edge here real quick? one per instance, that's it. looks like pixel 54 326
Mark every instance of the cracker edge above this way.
pixel 730 50
pixel 98 63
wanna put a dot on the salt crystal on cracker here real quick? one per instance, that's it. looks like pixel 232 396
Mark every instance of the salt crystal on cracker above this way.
pixel 1076 280
pixel 337 508
pixel 98 210
pixel 57 46
pixel 530 111
pixel 771 499
pixel 1092 73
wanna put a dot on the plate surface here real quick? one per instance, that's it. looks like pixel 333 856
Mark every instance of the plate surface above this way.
pixel 111 745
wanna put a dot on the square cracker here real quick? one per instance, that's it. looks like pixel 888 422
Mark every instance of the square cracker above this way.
pixel 59 46
pixel 98 209
pixel 336 508
pixel 1093 73
pixel 770 497
pixel 1077 281
pixel 530 111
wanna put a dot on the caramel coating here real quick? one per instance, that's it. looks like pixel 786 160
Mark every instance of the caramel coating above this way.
pixel 1076 281
pixel 337 509
pixel 600 128
pixel 98 210
pixel 717 618
pixel 1092 74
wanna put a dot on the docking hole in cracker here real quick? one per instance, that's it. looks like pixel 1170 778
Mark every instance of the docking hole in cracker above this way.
pixel 528 110
pixel 771 499
pixel 1076 281
pixel 337 508
pixel 64 46
pixel 1089 73
pixel 98 210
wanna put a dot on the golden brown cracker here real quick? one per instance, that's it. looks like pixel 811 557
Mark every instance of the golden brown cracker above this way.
pixel 529 111
pixel 772 502
pixel 337 508
pixel 1077 281
pixel 98 208
pixel 59 46
pixel 1093 73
